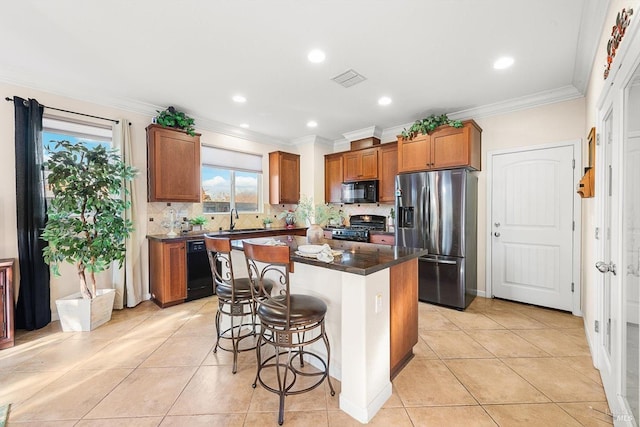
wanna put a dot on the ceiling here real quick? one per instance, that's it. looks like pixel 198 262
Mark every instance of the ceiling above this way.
pixel 428 56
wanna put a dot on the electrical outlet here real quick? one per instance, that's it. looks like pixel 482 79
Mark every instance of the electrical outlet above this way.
pixel 378 308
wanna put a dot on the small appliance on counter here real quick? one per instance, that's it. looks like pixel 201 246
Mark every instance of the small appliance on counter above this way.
pixel 359 227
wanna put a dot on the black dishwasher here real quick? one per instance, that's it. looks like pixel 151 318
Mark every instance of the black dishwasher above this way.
pixel 199 280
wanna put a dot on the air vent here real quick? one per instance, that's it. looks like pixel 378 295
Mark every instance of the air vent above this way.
pixel 349 78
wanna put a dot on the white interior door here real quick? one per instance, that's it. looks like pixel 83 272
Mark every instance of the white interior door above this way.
pixel 532 226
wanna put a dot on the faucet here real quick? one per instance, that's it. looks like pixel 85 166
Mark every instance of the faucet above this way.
pixel 231 224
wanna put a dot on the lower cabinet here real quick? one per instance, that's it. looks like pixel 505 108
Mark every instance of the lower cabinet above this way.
pixel 6 304
pixel 403 313
pixel 382 239
pixel 168 272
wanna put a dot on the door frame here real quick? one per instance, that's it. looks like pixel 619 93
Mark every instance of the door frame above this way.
pixel 576 301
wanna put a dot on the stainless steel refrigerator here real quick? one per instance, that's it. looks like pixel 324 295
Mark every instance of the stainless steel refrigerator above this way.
pixel 438 211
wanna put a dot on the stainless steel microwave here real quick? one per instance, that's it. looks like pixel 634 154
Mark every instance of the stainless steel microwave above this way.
pixel 360 192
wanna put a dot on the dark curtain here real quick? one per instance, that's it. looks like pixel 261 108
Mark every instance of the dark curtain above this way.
pixel 33 309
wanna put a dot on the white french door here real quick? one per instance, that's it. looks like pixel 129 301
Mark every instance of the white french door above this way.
pixel 618 244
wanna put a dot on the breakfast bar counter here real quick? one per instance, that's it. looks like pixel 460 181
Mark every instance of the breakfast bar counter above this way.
pixel 371 292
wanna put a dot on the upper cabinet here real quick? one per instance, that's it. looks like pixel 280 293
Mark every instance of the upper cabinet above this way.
pixel 386 168
pixel 361 164
pixel 173 160
pixel 445 148
pixel 387 171
pixel 284 177
pixel 333 174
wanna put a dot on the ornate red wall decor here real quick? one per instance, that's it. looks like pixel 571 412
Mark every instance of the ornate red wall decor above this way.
pixel 617 32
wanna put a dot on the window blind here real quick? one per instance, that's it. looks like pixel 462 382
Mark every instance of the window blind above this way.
pixel 229 159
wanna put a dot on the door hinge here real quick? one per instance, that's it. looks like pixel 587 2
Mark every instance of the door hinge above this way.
pixel 597 234
pixel 597 326
pixel 573 163
pixel 597 139
pixel 573 287
pixel 573 226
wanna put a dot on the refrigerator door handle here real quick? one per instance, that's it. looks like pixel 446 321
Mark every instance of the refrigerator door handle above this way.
pixel 438 261
pixel 425 214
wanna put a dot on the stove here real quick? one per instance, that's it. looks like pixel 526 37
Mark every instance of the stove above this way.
pixel 359 227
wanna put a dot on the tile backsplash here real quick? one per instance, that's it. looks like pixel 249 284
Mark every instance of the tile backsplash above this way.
pixel 158 215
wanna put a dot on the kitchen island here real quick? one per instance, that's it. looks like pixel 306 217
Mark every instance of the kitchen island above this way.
pixel 371 292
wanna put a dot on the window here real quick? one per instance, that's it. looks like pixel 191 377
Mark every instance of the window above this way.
pixel 231 179
pixel 54 129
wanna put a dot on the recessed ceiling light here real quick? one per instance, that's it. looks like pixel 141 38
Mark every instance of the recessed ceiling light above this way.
pixel 502 63
pixel 316 56
pixel 239 98
pixel 312 124
pixel 385 100
pixel 244 125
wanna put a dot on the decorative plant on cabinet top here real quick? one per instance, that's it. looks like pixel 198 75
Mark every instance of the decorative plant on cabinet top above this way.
pixel 85 226
pixel 428 125
pixel 173 118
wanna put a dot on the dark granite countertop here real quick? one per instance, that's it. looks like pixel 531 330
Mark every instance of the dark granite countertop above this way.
pixel 358 258
pixel 246 233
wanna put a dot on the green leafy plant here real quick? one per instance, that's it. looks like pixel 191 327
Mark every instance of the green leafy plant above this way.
pixel 85 226
pixel 198 220
pixel 327 213
pixel 176 119
pixel 289 216
pixel 267 220
pixel 309 213
pixel 428 125
pixel 305 211
pixel 392 214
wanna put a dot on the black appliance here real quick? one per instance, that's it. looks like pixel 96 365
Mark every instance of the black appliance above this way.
pixel 438 211
pixel 199 279
pixel 359 192
pixel 359 227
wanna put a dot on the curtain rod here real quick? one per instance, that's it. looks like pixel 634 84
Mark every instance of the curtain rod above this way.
pixel 73 112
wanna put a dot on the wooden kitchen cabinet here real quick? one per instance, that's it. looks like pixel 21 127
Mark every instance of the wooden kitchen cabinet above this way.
pixel 284 177
pixel 168 272
pixel 403 313
pixel 7 338
pixel 382 239
pixel 333 175
pixel 173 164
pixel 445 148
pixel 387 171
pixel 360 165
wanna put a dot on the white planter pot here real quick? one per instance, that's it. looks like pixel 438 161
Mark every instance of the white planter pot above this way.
pixel 79 314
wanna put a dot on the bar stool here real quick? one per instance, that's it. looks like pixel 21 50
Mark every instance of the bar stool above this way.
pixel 289 322
pixel 235 299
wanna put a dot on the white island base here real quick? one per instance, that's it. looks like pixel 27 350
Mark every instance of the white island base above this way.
pixel 371 321
pixel 357 324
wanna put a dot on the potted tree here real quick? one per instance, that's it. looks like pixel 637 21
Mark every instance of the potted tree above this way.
pixel 85 226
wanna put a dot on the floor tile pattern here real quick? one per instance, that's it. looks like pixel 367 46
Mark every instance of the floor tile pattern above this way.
pixel 498 363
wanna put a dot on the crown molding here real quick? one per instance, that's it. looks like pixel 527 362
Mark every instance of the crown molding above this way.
pixel 592 26
pixel 368 132
pixel 147 109
pixel 552 96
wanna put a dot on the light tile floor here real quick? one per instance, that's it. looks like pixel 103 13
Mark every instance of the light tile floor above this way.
pixel 497 363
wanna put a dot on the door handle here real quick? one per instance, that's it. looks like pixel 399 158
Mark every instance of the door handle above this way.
pixel 497 234
pixel 603 267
